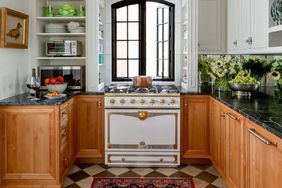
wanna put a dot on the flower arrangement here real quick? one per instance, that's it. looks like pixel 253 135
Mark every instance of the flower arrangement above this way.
pixel 276 71
pixel 257 66
pixel 219 69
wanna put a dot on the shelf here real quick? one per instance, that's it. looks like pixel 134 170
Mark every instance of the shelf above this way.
pixel 61 34
pixel 74 18
pixel 275 29
pixel 100 38
pixel 61 58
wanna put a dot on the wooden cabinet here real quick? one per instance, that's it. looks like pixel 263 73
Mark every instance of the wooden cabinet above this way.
pixel 264 158
pixel 29 146
pixel 212 27
pixel 234 149
pixel 67 136
pixel 195 127
pixel 90 128
pixel 227 143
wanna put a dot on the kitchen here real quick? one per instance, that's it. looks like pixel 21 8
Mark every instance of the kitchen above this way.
pixel 112 93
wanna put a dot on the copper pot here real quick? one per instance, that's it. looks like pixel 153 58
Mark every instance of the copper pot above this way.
pixel 142 81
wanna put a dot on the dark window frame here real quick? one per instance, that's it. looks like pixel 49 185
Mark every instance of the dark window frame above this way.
pixel 142 39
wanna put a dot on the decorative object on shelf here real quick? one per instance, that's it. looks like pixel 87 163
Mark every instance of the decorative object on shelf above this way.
pixel 243 84
pixel 76 27
pixel 276 72
pixel 67 10
pixel 48 11
pixel 276 12
pixel 55 28
pixel 14 29
pixel 82 11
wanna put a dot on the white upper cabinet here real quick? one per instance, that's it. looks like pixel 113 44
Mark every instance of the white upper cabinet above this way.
pixel 247 26
pixel 212 27
pixel 233 24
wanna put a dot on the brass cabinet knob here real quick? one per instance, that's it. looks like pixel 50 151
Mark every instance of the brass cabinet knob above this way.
pixel 132 101
pixel 152 101
pixel 112 101
pixel 162 101
pixel 122 101
pixel 172 101
pixel 142 101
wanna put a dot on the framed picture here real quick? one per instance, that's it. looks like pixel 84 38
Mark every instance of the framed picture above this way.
pixel 14 29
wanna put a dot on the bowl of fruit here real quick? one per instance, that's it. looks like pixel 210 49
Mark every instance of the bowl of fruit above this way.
pixel 56 84
pixel 244 83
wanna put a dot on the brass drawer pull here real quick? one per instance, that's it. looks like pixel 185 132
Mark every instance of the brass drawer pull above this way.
pixel 264 140
pixel 232 116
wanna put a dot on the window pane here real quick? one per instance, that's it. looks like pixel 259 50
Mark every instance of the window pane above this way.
pixel 166 49
pixel 166 68
pixel 121 68
pixel 160 55
pixel 160 15
pixel 121 31
pixel 122 14
pixel 133 68
pixel 133 49
pixel 133 31
pixel 166 32
pixel 160 33
pixel 160 63
pixel 133 11
pixel 166 15
pixel 121 49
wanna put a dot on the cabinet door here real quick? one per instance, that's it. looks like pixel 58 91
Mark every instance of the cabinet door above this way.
pixel 211 25
pixel 90 127
pixel 71 131
pixel 28 145
pixel 264 158
pixel 245 24
pixel 195 127
pixel 215 117
pixel 259 23
pixel 223 141
pixel 233 24
pixel 235 150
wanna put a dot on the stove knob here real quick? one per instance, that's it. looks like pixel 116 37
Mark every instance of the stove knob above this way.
pixel 152 101
pixel 162 101
pixel 112 101
pixel 142 101
pixel 172 101
pixel 132 101
pixel 122 101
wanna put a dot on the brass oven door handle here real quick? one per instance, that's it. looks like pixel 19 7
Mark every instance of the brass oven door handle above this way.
pixel 142 115
pixel 264 140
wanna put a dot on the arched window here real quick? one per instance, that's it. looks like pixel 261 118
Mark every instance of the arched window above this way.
pixel 143 39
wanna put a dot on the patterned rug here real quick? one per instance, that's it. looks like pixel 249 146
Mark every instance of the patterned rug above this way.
pixel 142 183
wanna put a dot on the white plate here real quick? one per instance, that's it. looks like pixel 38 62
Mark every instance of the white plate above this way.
pixel 62 95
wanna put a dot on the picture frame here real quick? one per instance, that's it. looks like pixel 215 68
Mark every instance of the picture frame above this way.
pixel 14 27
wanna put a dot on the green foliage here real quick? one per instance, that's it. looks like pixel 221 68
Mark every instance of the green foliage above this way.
pixel 258 66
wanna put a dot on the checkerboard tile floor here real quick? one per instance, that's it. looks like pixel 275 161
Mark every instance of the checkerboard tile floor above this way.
pixel 204 176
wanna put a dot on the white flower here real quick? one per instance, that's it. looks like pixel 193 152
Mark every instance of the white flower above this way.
pixel 275 75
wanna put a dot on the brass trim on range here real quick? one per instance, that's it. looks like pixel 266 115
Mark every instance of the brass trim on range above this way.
pixel 140 95
pixel 161 158
pixel 142 115
pixel 149 114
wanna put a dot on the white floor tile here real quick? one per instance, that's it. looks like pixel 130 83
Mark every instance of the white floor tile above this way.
pixel 199 183
pixel 212 170
pixel 93 170
pixel 74 169
pixel 167 171
pixel 67 182
pixel 85 183
pixel 142 171
pixel 219 182
pixel 192 171
pixel 118 171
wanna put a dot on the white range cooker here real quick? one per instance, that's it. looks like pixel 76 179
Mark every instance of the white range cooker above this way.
pixel 142 126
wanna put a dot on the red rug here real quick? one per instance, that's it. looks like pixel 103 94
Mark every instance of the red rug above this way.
pixel 142 183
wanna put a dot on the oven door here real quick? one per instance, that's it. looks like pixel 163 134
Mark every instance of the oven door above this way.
pixel 145 130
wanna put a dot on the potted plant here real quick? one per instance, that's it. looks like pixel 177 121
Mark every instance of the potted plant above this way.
pixel 276 71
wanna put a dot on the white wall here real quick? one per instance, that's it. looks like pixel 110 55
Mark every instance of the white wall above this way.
pixel 14 63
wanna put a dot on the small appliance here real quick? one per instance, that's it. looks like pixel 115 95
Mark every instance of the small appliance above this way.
pixel 64 48
pixel 73 75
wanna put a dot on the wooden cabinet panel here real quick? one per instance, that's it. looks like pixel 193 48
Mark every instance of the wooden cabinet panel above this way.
pixel 264 159
pixel 195 127
pixel 90 126
pixel 215 128
pixel 235 150
pixel 28 145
